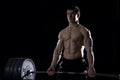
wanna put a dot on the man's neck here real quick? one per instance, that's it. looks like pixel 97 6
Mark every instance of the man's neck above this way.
pixel 73 24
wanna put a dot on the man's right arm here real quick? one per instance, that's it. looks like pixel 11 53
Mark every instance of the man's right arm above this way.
pixel 57 51
pixel 56 54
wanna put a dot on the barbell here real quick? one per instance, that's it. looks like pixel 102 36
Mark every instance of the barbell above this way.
pixel 24 69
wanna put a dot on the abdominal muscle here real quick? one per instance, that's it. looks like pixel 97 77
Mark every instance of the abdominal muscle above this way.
pixel 73 50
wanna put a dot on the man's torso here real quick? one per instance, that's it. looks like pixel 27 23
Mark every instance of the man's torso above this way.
pixel 73 42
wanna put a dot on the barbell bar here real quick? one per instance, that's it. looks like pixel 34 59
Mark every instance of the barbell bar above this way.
pixel 24 69
pixel 57 72
pixel 74 73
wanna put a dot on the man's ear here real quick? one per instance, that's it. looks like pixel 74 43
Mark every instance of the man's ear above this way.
pixel 78 15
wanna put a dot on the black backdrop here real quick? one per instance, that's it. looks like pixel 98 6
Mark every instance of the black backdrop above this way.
pixel 30 29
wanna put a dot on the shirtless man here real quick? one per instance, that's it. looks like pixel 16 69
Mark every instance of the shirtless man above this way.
pixel 72 41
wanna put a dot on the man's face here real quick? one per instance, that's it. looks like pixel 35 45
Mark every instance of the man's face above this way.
pixel 72 16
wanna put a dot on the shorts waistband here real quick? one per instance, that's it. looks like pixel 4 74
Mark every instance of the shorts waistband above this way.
pixel 78 59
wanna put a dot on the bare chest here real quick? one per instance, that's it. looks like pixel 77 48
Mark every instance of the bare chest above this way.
pixel 73 34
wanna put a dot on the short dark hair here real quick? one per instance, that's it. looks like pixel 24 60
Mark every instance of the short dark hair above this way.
pixel 76 9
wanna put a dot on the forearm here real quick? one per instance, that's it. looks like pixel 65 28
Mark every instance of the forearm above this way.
pixel 55 58
pixel 89 48
pixel 90 58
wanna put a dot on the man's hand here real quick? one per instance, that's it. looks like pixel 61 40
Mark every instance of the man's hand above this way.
pixel 91 72
pixel 51 71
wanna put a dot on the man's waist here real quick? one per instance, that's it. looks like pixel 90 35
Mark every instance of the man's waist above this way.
pixel 71 56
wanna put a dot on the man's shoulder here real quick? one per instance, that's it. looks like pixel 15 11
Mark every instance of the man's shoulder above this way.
pixel 62 30
pixel 84 28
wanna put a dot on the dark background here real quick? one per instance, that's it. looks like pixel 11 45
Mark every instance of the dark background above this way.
pixel 30 29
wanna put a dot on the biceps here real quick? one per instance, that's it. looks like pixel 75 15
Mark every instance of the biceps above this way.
pixel 88 42
pixel 59 45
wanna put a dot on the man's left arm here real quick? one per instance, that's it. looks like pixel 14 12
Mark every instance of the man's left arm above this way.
pixel 88 43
